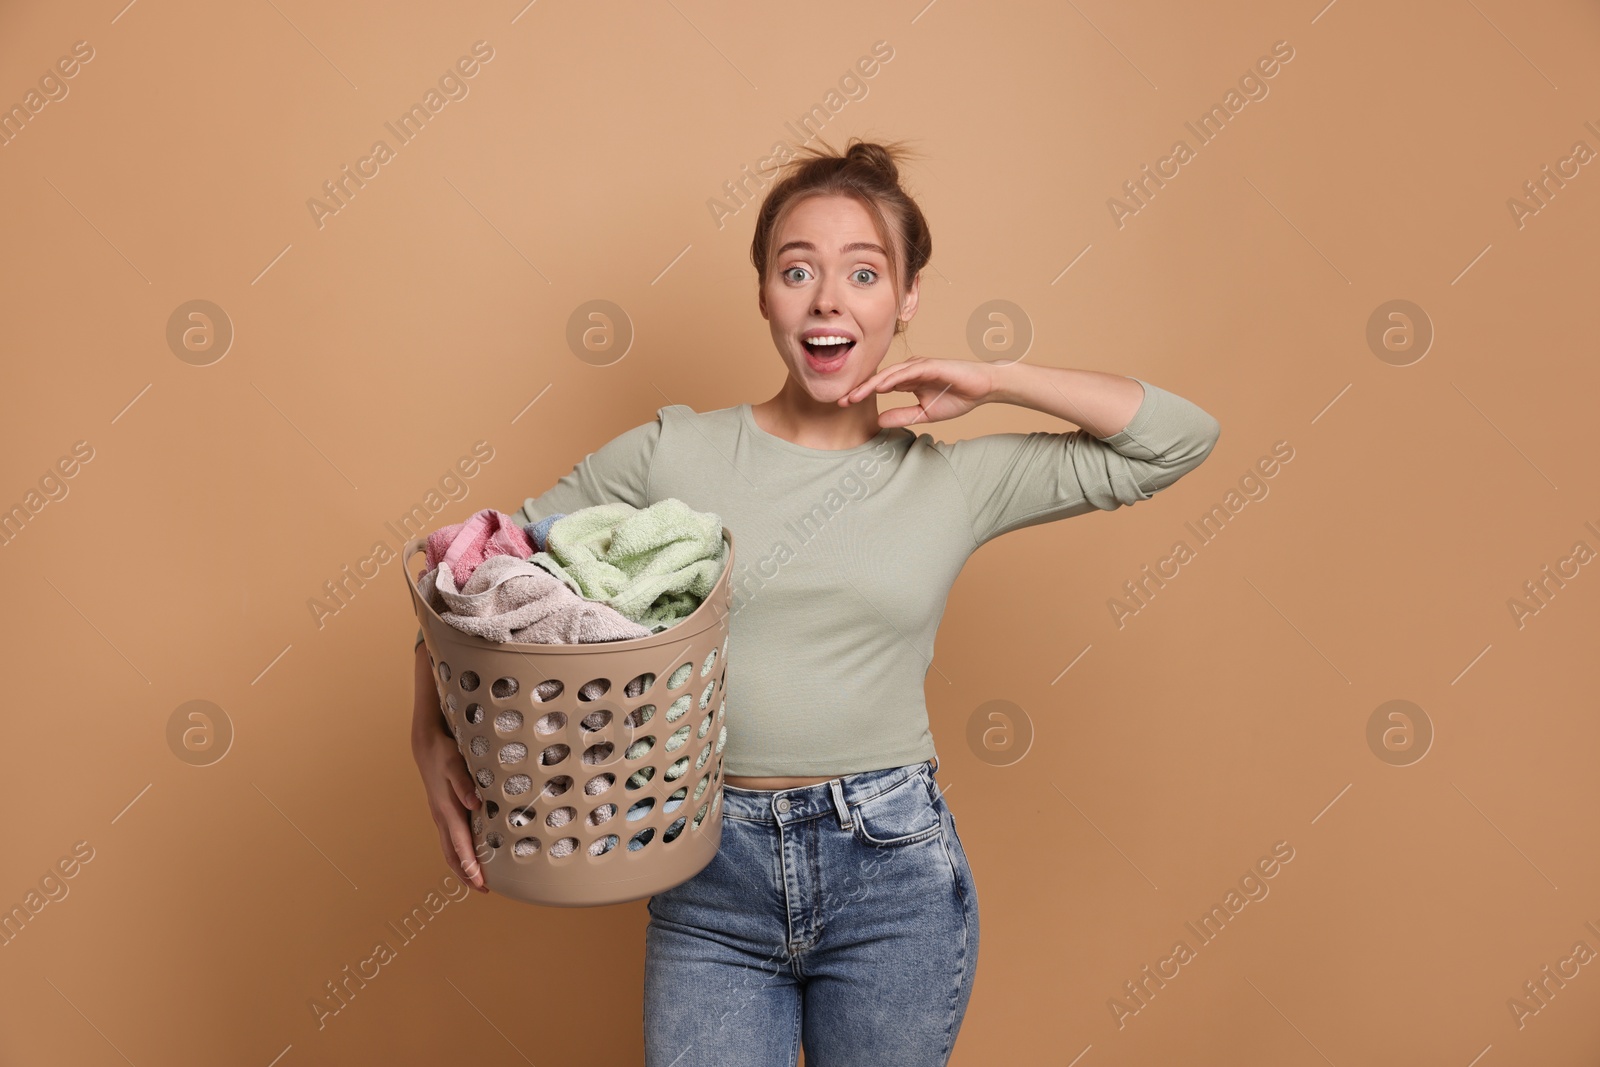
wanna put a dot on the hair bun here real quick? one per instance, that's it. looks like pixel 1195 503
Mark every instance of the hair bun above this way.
pixel 874 155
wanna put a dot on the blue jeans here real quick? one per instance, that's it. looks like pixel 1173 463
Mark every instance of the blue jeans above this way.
pixel 841 915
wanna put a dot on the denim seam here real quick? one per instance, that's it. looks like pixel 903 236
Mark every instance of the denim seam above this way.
pixel 955 872
pixel 961 961
pixel 795 1032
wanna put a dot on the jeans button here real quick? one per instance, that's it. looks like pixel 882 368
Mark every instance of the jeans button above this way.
pixel 783 805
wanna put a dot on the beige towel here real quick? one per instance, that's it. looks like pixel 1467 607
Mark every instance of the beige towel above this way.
pixel 510 599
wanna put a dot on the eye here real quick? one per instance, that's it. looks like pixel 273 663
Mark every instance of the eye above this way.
pixel 791 270
pixel 867 270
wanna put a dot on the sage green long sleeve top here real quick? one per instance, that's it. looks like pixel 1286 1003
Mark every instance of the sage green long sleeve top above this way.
pixel 844 558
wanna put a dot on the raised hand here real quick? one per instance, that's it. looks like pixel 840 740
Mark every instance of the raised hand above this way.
pixel 944 388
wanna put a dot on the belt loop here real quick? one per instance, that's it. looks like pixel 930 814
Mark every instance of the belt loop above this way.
pixel 838 803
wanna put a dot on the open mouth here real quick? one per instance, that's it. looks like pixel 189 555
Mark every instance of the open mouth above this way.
pixel 825 351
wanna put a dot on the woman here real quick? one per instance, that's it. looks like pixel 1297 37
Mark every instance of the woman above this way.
pixel 839 911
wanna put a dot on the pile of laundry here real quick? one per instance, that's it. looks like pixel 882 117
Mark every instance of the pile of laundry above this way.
pixel 612 572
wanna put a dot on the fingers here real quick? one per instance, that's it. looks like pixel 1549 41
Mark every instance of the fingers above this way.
pixel 461 782
pixel 456 840
pixel 902 416
pixel 881 382
pixel 468 858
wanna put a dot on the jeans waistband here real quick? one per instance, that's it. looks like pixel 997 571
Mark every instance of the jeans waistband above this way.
pixel 824 798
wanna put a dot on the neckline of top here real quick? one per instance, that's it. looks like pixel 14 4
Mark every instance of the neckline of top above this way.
pixel 747 416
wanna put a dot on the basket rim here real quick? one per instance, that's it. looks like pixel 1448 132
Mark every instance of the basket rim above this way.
pixel 701 619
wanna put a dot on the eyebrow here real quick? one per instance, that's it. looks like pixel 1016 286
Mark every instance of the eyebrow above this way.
pixel 854 246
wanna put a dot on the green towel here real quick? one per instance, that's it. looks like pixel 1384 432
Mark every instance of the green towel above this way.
pixel 653 565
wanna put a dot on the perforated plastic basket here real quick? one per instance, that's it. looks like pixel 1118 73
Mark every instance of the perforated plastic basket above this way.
pixel 570 819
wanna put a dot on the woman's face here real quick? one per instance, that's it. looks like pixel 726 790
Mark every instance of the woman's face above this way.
pixel 829 274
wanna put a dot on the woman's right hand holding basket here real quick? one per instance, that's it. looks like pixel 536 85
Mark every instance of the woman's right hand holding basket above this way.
pixel 445 776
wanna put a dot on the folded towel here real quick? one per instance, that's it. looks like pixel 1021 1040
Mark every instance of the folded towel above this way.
pixel 653 565
pixel 539 532
pixel 511 599
pixel 465 545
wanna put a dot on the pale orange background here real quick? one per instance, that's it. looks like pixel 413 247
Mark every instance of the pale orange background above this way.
pixel 1228 715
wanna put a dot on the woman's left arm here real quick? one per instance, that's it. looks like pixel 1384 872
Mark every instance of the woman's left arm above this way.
pixel 1100 403
pixel 1134 438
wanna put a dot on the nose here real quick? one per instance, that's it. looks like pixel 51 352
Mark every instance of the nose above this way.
pixel 824 302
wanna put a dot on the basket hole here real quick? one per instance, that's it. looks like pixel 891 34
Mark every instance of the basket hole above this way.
pixel 485 777
pixel 599 784
pixel 639 716
pixel 701 787
pixel 565 847
pixel 518 784
pixel 520 817
pixel 674 830
pixel 515 752
pixel 599 753
pixel 553 755
pixel 493 839
pixel 525 846
pixel 504 688
pixel 550 722
pixel 469 680
pixel 601 814
pixel 722 736
pixel 477 824
pixel 557 785
pixel 641 808
pixel 641 839
pixel 594 690
pixel 705 695
pixel 705 724
pixel 677 769
pixel 548 690
pixel 700 760
pixel 451 702
pixel 444 672
pixel 700 815
pixel 640 747
pixel 491 809
pixel 716 801
pixel 680 676
pixel 475 713
pixel 679 738
pixel 604 845
pixel 679 709
pixel 637 687
pixel 641 776
pixel 508 722
pixel 560 817
pixel 711 659
pixel 479 746
pixel 597 720
pixel 675 799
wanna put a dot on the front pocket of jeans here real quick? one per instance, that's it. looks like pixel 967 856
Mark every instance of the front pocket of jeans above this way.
pixel 903 815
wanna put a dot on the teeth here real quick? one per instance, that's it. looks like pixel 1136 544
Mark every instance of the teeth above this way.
pixel 827 340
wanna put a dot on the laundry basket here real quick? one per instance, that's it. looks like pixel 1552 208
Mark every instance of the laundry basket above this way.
pixel 568 818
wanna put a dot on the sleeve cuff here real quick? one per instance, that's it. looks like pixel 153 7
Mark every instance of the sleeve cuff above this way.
pixel 1141 416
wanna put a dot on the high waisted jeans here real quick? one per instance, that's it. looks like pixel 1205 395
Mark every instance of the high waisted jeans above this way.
pixel 842 915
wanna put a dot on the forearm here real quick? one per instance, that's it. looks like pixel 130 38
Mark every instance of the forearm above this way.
pixel 1101 403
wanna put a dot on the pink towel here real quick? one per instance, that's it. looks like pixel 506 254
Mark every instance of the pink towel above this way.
pixel 466 545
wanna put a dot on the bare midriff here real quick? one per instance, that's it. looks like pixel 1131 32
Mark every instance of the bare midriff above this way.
pixel 742 782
